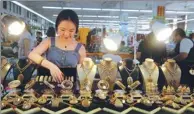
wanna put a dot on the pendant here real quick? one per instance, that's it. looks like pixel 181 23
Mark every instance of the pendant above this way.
pixel 108 79
pixel 150 79
pixel 20 77
pixel 129 80
pixel 87 84
pixel 173 83
pixel 191 71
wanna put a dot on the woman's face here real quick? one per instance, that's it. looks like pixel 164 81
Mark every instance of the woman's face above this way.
pixel 66 29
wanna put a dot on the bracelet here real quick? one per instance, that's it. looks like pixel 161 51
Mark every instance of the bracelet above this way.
pixel 40 62
pixel 120 85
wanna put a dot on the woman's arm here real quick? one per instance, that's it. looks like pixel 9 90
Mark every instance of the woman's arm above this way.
pixel 36 57
pixel 82 53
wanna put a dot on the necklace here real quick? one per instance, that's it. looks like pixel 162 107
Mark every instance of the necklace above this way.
pixel 107 70
pixel 172 74
pixel 129 79
pixel 87 82
pixel 150 72
pixel 21 70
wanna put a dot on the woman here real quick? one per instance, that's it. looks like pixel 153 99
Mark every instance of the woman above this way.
pixel 62 51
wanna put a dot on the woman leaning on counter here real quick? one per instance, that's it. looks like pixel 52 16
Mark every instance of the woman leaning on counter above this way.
pixel 62 51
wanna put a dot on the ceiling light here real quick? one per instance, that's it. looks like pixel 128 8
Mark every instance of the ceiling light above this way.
pixel 48 7
pixel 184 12
pixel 127 10
pixel 108 16
pixel 130 10
pixel 161 31
pixel 146 11
pixel 170 12
pixel 181 21
pixel 91 9
pixel 110 9
pixel 73 8
pixel 23 6
pixel 89 16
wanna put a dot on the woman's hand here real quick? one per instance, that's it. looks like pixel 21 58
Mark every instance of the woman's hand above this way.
pixel 56 73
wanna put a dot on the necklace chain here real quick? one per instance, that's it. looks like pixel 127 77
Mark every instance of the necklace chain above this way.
pixel 90 69
pixel 171 72
pixel 150 71
pixel 173 81
pixel 21 70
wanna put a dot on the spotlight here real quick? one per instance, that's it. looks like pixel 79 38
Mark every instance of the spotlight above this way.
pixel 161 31
pixel 14 25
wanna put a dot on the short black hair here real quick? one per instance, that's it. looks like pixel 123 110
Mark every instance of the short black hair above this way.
pixel 67 15
pixel 50 32
pixel 180 32
pixel 191 35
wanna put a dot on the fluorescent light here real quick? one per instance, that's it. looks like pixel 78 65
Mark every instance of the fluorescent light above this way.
pixel 97 24
pixel 181 21
pixel 25 7
pixel 171 12
pixel 73 8
pixel 91 9
pixel 108 16
pixel 127 10
pixel 110 9
pixel 55 15
pixel 146 11
pixel 184 12
pixel 89 16
pixel 48 7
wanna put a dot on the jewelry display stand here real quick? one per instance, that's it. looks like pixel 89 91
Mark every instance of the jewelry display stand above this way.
pixel 125 71
pixel 86 73
pixel 5 68
pixel 172 73
pixel 23 70
pixel 150 75
pixel 108 71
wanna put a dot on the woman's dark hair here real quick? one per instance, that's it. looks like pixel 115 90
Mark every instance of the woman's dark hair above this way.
pixel 50 32
pixel 191 35
pixel 67 15
pixel 180 32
